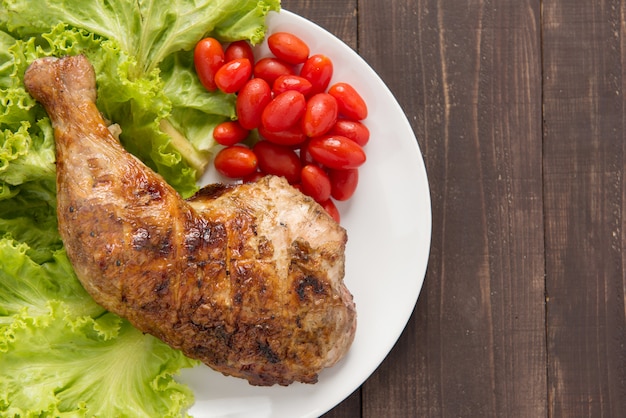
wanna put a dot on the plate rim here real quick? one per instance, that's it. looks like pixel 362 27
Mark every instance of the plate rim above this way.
pixel 424 253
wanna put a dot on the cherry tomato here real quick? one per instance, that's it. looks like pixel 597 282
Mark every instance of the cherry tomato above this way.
pixel 330 208
pixel 320 114
pixel 350 102
pixel 288 137
pixel 236 161
pixel 343 183
pixel 315 183
pixel 278 160
pixel 336 151
pixel 208 57
pixel 233 75
pixel 269 69
pixel 291 82
pixel 238 49
pixel 284 111
pixel 288 47
pixel 251 100
pixel 352 129
pixel 229 133
pixel 318 69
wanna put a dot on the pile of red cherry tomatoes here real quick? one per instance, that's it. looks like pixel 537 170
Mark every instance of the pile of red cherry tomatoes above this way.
pixel 309 131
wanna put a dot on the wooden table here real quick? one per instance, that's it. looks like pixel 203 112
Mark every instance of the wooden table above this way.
pixel 519 109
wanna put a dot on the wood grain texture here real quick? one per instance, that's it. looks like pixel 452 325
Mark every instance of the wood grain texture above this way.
pixel 470 82
pixel 584 44
pixel 337 17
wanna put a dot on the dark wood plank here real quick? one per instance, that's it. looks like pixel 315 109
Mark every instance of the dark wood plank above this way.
pixel 585 113
pixel 340 19
pixel 469 78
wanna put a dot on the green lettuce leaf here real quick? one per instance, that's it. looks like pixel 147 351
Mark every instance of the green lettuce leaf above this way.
pixel 63 369
pixel 194 113
pixel 149 30
pixel 143 55
pixel 61 353
pixel 26 287
pixel 26 157
pixel 28 215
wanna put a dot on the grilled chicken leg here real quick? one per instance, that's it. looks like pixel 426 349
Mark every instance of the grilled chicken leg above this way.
pixel 246 278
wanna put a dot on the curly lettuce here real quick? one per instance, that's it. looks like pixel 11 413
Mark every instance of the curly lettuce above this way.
pixel 142 51
pixel 61 354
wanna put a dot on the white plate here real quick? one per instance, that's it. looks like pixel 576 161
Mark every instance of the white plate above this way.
pixel 389 225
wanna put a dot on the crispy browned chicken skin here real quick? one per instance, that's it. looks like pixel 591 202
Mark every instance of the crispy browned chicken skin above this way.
pixel 247 278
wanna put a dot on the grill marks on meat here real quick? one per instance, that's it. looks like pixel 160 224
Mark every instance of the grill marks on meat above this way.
pixel 247 278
